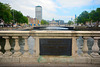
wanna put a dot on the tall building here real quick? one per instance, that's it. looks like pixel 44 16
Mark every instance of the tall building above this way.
pixel 38 13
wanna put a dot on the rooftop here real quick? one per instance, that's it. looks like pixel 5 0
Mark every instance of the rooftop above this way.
pixel 38 6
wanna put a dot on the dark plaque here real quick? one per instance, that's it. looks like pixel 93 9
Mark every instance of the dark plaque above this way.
pixel 56 47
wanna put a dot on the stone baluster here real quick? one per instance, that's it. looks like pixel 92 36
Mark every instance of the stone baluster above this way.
pixel 95 48
pixel 26 48
pixel 85 47
pixel 7 47
pixel 16 48
pixel 0 52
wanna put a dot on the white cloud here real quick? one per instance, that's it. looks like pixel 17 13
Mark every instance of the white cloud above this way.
pixel 27 7
pixel 21 5
pixel 50 16
pixel 96 2
pixel 73 3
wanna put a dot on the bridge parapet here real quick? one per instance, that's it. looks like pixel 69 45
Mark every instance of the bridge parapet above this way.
pixel 17 56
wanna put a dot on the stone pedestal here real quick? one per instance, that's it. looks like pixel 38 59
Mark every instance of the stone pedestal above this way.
pixel 83 60
pixel 95 60
pixel 64 59
pixel 29 60
pixel 6 59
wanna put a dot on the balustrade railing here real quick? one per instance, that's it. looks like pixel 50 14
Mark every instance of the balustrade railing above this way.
pixel 40 34
pixel 95 48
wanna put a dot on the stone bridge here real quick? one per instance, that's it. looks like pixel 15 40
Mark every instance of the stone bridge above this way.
pixel 37 57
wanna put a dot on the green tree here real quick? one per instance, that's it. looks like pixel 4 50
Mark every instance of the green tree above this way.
pixel 92 15
pixel 8 15
pixel 83 17
pixel 18 17
pixel 5 13
pixel 44 22
pixel 95 16
pixel 24 20
pixel 98 14
pixel 70 22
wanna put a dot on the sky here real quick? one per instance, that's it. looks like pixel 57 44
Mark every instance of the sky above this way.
pixel 57 9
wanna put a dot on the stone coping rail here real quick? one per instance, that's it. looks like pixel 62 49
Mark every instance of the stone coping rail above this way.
pixel 51 33
pixel 28 32
pixel 66 32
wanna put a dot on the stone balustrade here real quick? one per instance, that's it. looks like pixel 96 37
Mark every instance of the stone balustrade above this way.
pixel 17 56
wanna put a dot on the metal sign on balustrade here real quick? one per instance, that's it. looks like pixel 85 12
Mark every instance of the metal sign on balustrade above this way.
pixel 56 47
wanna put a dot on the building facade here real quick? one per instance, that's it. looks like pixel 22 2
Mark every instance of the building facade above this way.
pixel 33 21
pixel 38 13
pixel 60 22
pixel 53 23
pixel 36 22
pixel 30 20
pixel 56 22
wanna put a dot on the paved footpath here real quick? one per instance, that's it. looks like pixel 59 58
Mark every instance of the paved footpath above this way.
pixel 47 65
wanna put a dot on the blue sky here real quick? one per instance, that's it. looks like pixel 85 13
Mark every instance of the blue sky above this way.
pixel 57 9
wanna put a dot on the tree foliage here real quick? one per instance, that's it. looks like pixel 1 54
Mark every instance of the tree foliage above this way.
pixel 83 17
pixel 44 22
pixel 8 14
pixel 25 19
pixel 93 16
pixel 70 22
pixel 5 13
pixel 98 14
pixel 18 16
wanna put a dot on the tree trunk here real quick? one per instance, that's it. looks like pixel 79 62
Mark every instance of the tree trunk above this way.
pixel 97 23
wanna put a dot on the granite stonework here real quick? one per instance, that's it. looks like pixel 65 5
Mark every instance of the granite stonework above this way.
pixel 53 38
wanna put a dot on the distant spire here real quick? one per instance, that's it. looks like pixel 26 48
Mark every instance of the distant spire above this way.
pixel 53 19
pixel 71 19
pixel 75 16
